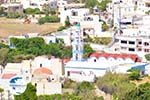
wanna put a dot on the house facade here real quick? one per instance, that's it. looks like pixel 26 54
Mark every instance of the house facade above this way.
pixel 133 41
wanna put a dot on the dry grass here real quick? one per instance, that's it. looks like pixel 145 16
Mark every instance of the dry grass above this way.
pixel 15 27
pixel 142 80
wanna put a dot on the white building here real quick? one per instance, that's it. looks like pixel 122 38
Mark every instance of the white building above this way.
pixel 43 72
pixel 46 73
pixel 135 41
pixel 121 11
pixel 91 25
pixel 143 6
pixel 12 7
pixel 73 12
pixel 11 70
pixel 96 65
pixel 38 3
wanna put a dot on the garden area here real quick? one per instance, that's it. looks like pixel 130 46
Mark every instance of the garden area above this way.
pixel 24 49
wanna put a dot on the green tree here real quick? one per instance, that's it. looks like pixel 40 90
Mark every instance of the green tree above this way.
pixel 52 11
pixel 142 92
pixel 99 40
pixel 67 22
pixel 13 15
pixel 147 56
pixel 61 28
pixel 105 27
pixel 134 74
pixel 115 84
pixel 3 56
pixel 90 3
pixel 29 94
pixel 3 45
pixel 36 11
pixel 87 50
pixel 32 11
pixel 2 12
pixel 1 91
pixel 85 90
pixel 103 4
pixel 48 19
pixel 46 9
pixel 148 12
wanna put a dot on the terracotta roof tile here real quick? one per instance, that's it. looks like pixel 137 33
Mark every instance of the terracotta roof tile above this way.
pixel 8 75
pixel 42 70
pixel 134 57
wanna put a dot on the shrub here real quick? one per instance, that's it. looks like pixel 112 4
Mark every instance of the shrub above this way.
pixel 32 11
pixel 105 27
pixel 134 74
pixel 48 19
pixel 13 15
pixel 147 56
pixel 61 28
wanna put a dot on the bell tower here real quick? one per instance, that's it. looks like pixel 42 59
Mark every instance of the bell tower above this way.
pixel 77 43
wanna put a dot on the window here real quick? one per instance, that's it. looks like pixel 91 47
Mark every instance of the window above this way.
pixel 146 50
pixel 40 65
pixel 139 42
pixel 123 48
pixel 146 43
pixel 52 78
pixel 35 84
pixel 71 40
pixel 76 47
pixel 68 73
pixel 27 78
pixel 76 56
pixel 131 42
pixel 131 49
pixel 50 41
pixel 74 13
pixel 123 42
pixel 139 49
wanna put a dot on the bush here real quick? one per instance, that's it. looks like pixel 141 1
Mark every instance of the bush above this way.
pixel 99 40
pixel 61 28
pixel 105 27
pixel 147 56
pixel 142 92
pixel 32 11
pixel 116 84
pixel 13 15
pixel 103 4
pixel 69 84
pixel 134 74
pixel 3 45
pixel 48 19
pixel 42 21
pixel 2 13
pixel 29 94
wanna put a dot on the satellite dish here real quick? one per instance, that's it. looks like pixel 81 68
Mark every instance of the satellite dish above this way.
pixel 17 85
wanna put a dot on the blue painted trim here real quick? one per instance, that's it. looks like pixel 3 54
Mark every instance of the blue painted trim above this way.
pixel 87 68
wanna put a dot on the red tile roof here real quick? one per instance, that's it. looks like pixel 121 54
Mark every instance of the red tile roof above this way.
pixel 8 75
pixel 43 70
pixel 134 57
